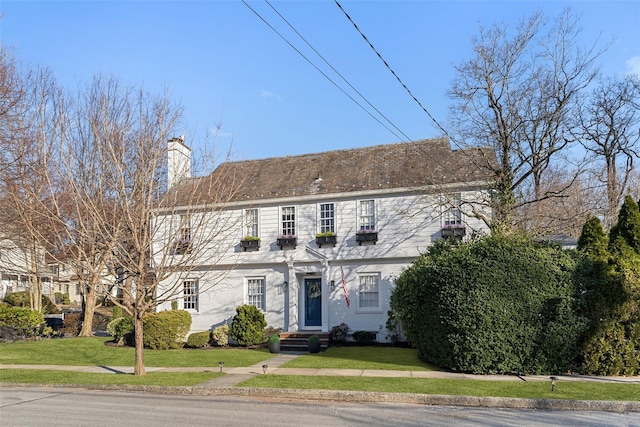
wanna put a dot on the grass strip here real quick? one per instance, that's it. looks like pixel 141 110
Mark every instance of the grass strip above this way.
pixel 33 376
pixel 95 351
pixel 463 387
pixel 371 357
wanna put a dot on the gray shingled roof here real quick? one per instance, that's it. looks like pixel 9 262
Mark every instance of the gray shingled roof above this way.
pixel 392 166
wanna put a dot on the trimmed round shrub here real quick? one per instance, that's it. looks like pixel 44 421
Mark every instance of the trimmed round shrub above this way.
pixel 220 336
pixel 166 330
pixel 500 304
pixel 199 339
pixel 247 327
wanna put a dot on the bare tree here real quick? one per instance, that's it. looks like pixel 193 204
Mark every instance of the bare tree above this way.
pixel 127 219
pixel 29 125
pixel 609 129
pixel 516 95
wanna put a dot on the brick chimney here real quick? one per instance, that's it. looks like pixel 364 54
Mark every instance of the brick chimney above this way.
pixel 179 161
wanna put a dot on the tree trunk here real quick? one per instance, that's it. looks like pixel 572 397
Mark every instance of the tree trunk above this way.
pixel 139 366
pixel 89 309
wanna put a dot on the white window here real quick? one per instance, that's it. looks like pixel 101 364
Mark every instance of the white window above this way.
pixel 367 215
pixel 190 295
pixel 185 227
pixel 255 292
pixel 453 216
pixel 288 223
pixel 327 218
pixel 251 223
pixel 368 292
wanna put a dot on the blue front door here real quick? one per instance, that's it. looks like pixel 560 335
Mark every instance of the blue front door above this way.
pixel 312 302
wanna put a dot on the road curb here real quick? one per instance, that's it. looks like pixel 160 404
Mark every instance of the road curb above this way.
pixel 366 397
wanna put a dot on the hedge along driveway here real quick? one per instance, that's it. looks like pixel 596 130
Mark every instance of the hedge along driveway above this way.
pixel 98 352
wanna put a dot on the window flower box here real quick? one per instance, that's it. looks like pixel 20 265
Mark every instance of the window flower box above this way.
pixel 327 238
pixel 366 236
pixel 453 230
pixel 250 242
pixel 287 240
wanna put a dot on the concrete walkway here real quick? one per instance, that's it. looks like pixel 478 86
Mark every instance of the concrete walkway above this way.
pixel 239 374
pixel 228 385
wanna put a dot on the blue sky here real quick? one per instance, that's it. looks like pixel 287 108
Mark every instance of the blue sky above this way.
pixel 225 66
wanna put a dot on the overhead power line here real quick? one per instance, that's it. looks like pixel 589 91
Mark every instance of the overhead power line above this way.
pixel 337 72
pixel 386 64
pixel 324 74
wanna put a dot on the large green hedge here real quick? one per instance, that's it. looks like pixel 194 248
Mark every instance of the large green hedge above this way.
pixel 500 304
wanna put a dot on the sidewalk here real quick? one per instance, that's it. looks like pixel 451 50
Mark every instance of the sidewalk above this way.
pixel 239 374
pixel 227 385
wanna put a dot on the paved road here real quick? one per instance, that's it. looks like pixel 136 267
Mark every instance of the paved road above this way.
pixel 75 407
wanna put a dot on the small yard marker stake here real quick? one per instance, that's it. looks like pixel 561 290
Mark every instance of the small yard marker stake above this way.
pixel 221 364
pixel 553 382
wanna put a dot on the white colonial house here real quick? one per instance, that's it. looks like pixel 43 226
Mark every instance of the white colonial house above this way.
pixel 335 231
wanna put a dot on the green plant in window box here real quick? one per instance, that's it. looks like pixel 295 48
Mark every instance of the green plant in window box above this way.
pixel 325 234
pixel 248 238
pixel 326 238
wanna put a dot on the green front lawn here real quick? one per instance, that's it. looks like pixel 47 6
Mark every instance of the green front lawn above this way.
pixel 458 387
pixel 96 352
pixel 378 358
pixel 33 376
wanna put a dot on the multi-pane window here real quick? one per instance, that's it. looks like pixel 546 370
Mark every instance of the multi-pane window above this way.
pixel 185 227
pixel 368 291
pixel 453 216
pixel 255 292
pixel 183 243
pixel 251 222
pixel 367 215
pixel 288 223
pixel 327 218
pixel 190 295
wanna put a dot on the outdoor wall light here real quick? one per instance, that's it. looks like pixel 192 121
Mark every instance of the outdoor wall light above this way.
pixel 285 284
pixel 333 284
pixel 221 364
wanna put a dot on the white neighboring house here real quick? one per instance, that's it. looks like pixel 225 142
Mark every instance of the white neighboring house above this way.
pixel 19 266
pixel 379 208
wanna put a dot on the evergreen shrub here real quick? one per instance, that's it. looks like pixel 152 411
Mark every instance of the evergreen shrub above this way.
pixel 23 299
pixel 499 304
pixel 199 339
pixel 247 326
pixel 19 317
pixel 220 336
pixel 166 330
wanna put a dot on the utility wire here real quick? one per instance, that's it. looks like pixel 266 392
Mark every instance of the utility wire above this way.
pixel 337 72
pixel 391 70
pixel 320 71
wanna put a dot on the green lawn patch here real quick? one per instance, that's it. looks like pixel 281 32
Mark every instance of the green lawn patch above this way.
pixel 34 376
pixel 462 387
pixel 95 352
pixel 378 358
